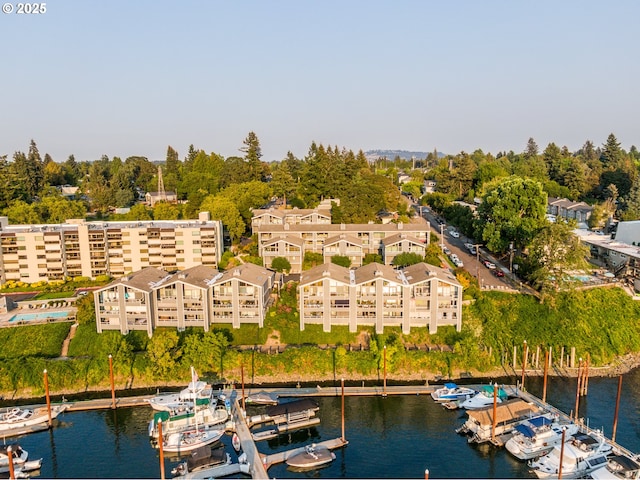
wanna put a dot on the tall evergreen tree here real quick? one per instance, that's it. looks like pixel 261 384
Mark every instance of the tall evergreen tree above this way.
pixel 532 149
pixel 611 152
pixel 252 156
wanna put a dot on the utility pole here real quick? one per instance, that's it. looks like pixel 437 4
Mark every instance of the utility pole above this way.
pixel 477 247
pixel 511 257
pixel 441 236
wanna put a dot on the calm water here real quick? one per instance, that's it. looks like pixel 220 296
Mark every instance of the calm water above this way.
pixel 393 437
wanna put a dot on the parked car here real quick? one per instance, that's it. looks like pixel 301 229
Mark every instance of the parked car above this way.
pixel 446 250
pixel 498 273
pixel 454 234
pixel 468 246
pixel 489 265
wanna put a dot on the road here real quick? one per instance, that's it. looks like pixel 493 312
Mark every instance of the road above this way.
pixel 472 263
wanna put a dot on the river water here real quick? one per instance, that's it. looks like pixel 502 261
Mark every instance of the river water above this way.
pixel 392 437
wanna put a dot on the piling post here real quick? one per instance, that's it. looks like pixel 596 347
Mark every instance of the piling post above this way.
pixel 615 415
pixel 564 432
pixel 537 356
pixel 113 385
pixel 46 393
pixel 515 355
pixel 495 411
pixel 12 473
pixel 524 364
pixel 546 371
pixel 161 448
pixel 426 474
pixel 242 379
pixel 585 381
pixel 561 356
pixel 384 373
pixel 342 414
pixel 573 357
pixel 578 390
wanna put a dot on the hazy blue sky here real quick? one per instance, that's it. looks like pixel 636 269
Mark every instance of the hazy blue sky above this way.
pixel 130 77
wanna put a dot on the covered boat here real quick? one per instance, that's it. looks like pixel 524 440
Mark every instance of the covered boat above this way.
pixel 582 454
pixel 202 458
pixel 185 418
pixel 451 392
pixel 618 467
pixel 312 456
pixel 262 398
pixel 537 436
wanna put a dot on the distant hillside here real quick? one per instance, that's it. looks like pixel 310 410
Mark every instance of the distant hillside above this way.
pixel 404 154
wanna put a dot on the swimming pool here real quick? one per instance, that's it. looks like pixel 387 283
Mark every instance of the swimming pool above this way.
pixel 26 317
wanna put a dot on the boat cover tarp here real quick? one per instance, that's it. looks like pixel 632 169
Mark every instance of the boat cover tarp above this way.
pixel 292 407
pixel 539 421
pixel 206 456
pixel 625 462
pixel 526 430
pixel 450 386
pixel 488 391
pixel 505 411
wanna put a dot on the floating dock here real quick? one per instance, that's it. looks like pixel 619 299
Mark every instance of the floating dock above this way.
pixel 280 457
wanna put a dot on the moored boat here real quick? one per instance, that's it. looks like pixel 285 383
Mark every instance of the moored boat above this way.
pixel 196 391
pixel 262 398
pixel 20 459
pixel 618 467
pixel 582 454
pixel 537 436
pixel 13 419
pixel 186 418
pixel 181 442
pixel 202 458
pixel 312 456
pixel 451 392
pixel 484 397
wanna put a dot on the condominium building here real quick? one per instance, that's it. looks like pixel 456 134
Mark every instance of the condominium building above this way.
pixel 81 248
pixel 355 241
pixel 200 296
pixel 420 295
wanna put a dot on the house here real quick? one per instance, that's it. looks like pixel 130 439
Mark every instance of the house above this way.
pixel 569 210
pixel 151 198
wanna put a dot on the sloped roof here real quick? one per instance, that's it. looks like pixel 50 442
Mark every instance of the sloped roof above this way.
pixel 199 276
pixel 248 273
pixel 331 270
pixel 505 411
pixel 421 272
pixel 345 238
pixel 145 280
pixel 370 272
pixel 298 242
pixel 399 237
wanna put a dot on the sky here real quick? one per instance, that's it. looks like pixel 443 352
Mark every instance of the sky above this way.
pixel 123 78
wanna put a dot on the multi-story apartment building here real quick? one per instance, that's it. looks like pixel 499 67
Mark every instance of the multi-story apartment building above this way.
pixel 295 216
pixel 420 295
pixel 196 297
pixel 352 240
pixel 31 253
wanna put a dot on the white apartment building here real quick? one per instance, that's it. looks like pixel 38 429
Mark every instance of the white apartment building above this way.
pixel 420 295
pixel 31 253
pixel 200 296
pixel 351 240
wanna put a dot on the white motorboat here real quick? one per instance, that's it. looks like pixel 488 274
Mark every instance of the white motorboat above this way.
pixel 581 455
pixel 484 398
pixel 312 456
pixel 181 442
pixel 451 392
pixel 202 458
pixel 618 467
pixel 12 419
pixel 186 418
pixel 196 392
pixel 537 436
pixel 20 459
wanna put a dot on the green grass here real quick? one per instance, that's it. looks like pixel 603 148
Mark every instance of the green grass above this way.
pixel 53 295
pixel 33 340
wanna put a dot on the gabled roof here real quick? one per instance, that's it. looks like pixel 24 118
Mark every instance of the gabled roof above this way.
pixel 422 272
pixel 248 273
pixel 199 276
pixel 343 237
pixel 370 272
pixel 145 280
pixel 331 270
pixel 399 237
pixel 298 242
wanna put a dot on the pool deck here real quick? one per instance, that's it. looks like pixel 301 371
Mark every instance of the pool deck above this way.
pixel 40 308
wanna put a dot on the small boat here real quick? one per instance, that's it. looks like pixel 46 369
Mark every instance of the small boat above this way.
pixel 484 398
pixel 202 458
pixel 618 467
pixel 262 398
pixel 20 459
pixel 451 392
pixel 582 454
pixel 311 457
pixel 180 442
pixel 537 436
pixel 16 418
pixel 235 442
